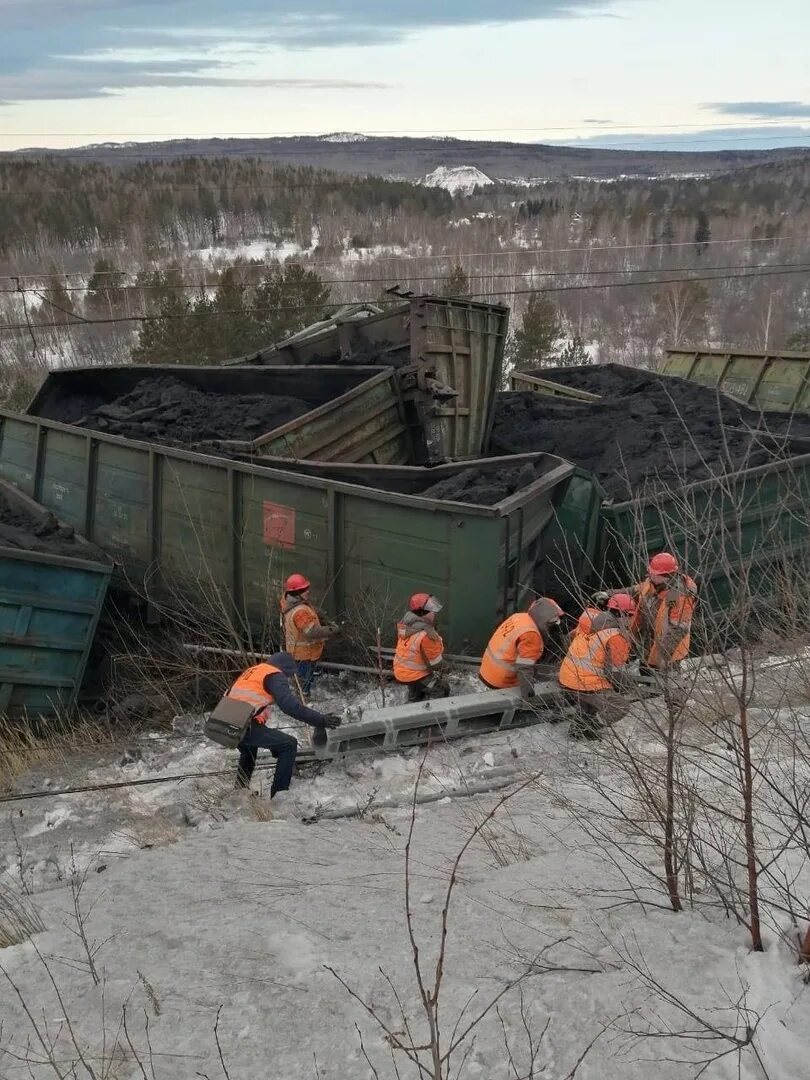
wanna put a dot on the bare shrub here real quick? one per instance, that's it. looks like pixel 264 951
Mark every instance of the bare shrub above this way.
pixel 423 1040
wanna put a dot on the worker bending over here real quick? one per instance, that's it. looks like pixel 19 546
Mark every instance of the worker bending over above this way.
pixel 585 621
pixel 594 672
pixel 304 632
pixel 419 654
pixel 517 645
pixel 263 686
pixel 662 624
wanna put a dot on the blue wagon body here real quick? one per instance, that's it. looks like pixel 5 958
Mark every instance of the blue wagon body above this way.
pixel 49 609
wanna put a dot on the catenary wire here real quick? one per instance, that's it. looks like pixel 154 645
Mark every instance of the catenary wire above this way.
pixel 202 285
pixel 319 307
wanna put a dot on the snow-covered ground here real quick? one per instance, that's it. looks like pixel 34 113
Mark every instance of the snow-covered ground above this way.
pixel 344 137
pixel 458 179
pixel 203 905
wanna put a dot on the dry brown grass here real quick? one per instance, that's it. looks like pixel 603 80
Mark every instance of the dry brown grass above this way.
pixel 25 744
pixel 19 918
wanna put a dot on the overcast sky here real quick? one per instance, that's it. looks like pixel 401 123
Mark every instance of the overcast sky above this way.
pixel 695 74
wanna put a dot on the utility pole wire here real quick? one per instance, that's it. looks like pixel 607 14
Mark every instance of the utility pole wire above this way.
pixel 501 253
pixel 201 286
pixel 485 294
pixel 21 291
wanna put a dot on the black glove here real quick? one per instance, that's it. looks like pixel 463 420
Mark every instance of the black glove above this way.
pixel 330 721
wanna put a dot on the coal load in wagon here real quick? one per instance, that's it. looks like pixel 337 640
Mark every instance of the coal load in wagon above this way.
pixel 174 413
pixel 646 429
pixel 484 488
pixel 26 530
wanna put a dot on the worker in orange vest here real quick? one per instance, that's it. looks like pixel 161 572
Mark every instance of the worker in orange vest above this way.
pixel 304 631
pixel 419 654
pixel 262 686
pixel 517 645
pixel 585 621
pixel 662 624
pixel 594 672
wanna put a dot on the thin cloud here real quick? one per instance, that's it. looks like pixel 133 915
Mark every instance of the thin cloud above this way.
pixel 755 137
pixel 107 80
pixel 762 110
pixel 47 43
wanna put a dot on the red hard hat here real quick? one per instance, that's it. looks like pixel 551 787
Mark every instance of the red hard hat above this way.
pixel 423 601
pixel 663 563
pixel 623 603
pixel 296 583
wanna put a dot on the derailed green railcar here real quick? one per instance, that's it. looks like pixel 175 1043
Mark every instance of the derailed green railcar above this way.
pixel 50 605
pixel 223 534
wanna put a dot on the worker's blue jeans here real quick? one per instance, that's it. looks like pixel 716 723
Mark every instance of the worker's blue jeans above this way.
pixel 282 746
pixel 306 671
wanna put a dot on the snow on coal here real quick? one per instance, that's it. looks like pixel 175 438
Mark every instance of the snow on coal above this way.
pixel 645 428
pixel 169 411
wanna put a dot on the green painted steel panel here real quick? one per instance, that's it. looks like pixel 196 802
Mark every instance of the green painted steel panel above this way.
pixel 783 380
pixel 464 342
pixel 771 381
pixel 18 448
pixel 461 340
pixel 754 522
pixel 741 377
pixel 708 369
pixel 62 477
pixel 532 380
pixel 222 535
pixel 49 610
pixel 679 363
pixel 364 425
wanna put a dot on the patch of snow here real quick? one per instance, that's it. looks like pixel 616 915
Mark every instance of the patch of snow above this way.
pixel 265 250
pixel 344 137
pixel 262 249
pixel 527 181
pixel 380 251
pixel 240 917
pixel 51 819
pixel 458 180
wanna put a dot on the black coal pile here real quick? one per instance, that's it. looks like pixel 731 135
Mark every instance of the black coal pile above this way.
pixel 172 412
pixel 646 428
pixel 23 529
pixel 483 488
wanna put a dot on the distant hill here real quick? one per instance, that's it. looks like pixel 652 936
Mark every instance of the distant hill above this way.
pixel 413 159
pixel 464 179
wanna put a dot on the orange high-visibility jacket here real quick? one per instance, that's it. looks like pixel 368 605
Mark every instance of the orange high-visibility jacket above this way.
pixel 517 643
pixel 584 666
pixel 298 617
pixel 662 610
pixel 585 621
pixel 249 687
pixel 419 652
